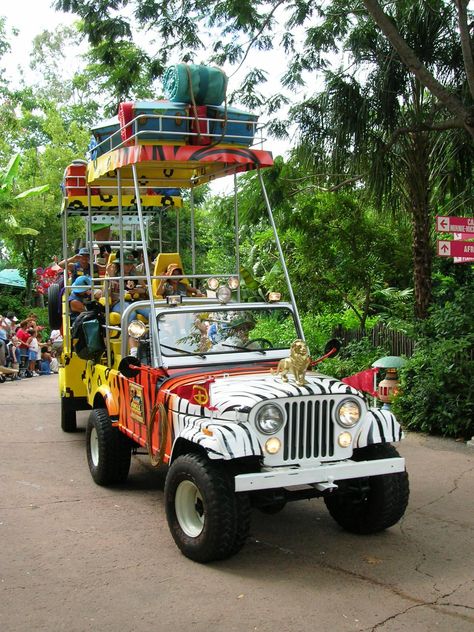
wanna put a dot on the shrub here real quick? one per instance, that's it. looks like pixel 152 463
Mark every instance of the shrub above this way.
pixel 437 388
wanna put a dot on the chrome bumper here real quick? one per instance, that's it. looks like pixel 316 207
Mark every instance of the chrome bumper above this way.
pixel 323 476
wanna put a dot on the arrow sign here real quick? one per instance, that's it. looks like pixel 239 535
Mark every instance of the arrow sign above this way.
pixel 463 225
pixel 456 249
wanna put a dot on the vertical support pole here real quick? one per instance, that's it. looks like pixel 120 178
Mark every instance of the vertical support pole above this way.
pixel 160 235
pixel 282 258
pixel 177 229
pixel 67 329
pixel 193 243
pixel 121 231
pixel 89 233
pixel 155 349
pixel 236 234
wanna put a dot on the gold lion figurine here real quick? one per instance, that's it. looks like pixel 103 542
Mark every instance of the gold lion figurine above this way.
pixel 297 363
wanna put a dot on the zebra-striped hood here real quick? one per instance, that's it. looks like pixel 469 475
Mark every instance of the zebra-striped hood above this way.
pixel 233 392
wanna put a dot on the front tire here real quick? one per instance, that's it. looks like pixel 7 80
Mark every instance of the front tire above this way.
pixel 373 503
pixel 207 519
pixel 108 450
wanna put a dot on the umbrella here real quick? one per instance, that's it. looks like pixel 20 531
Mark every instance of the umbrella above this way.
pixel 11 276
pixel 389 362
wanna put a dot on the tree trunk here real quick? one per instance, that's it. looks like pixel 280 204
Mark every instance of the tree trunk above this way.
pixel 418 186
pixel 414 65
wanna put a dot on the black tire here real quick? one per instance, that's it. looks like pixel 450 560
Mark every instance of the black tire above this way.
pixel 68 415
pixel 54 306
pixel 207 519
pixel 373 503
pixel 108 450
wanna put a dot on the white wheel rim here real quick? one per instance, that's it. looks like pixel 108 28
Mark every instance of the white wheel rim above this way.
pixel 94 447
pixel 189 509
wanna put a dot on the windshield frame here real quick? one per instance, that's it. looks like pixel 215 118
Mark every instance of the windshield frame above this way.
pixel 222 357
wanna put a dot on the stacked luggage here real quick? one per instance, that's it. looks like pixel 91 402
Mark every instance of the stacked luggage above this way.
pixel 195 113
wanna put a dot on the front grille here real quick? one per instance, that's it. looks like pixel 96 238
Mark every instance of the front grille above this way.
pixel 309 430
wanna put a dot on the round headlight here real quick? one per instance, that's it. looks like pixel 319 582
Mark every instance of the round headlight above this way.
pixel 224 294
pixel 213 284
pixel 136 329
pixel 233 283
pixel 348 413
pixel 269 419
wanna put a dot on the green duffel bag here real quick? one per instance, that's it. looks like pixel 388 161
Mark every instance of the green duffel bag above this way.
pixel 206 84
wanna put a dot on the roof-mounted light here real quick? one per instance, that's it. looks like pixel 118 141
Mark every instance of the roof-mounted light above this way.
pixel 174 300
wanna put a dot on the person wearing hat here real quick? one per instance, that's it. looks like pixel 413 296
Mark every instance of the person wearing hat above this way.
pixel 79 264
pixel 132 287
pixel 80 295
pixel 174 285
pixel 236 334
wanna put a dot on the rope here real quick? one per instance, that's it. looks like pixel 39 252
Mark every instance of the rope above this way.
pixel 195 114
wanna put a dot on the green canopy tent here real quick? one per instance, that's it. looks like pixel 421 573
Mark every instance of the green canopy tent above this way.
pixel 11 277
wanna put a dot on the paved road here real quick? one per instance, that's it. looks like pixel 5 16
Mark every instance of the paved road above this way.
pixel 78 557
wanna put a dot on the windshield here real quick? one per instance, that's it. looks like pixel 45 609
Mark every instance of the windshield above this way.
pixel 226 331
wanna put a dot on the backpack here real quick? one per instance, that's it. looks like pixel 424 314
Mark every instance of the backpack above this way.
pixel 88 331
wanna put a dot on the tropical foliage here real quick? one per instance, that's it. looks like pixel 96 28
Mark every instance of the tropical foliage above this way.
pixel 381 108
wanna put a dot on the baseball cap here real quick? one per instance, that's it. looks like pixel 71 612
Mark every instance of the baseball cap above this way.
pixel 84 251
pixel 82 284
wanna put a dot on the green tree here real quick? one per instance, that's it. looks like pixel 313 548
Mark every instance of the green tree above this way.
pixel 237 27
pixel 386 131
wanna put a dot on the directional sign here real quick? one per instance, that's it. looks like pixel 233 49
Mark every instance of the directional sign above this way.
pixel 456 249
pixel 463 225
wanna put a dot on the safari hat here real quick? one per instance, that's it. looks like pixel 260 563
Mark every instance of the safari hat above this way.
pixel 171 268
pixel 241 320
pixel 128 257
pixel 82 284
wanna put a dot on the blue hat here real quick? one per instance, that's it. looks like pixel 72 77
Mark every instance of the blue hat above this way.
pixel 84 251
pixel 82 284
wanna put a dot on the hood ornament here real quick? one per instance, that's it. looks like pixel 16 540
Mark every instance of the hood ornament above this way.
pixel 297 363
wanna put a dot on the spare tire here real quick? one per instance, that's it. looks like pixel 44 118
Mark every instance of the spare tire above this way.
pixel 54 306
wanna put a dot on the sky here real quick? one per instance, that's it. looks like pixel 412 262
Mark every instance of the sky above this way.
pixel 29 17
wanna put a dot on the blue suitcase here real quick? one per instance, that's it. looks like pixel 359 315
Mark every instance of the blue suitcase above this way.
pixel 158 121
pixel 106 136
pixel 240 128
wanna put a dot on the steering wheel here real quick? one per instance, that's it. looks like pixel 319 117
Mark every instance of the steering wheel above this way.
pixel 264 342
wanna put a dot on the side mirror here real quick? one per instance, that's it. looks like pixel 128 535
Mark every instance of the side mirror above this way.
pixel 129 366
pixel 332 348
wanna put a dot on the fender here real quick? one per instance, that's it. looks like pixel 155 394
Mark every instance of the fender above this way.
pixel 379 426
pixel 220 440
pixel 110 401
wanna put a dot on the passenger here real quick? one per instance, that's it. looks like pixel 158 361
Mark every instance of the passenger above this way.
pixel 134 288
pixel 131 286
pixel 79 265
pixel 80 295
pixel 174 286
pixel 237 332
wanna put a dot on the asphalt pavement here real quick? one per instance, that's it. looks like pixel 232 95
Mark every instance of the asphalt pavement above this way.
pixel 78 557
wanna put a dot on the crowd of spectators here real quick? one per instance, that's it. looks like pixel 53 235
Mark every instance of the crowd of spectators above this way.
pixel 23 349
